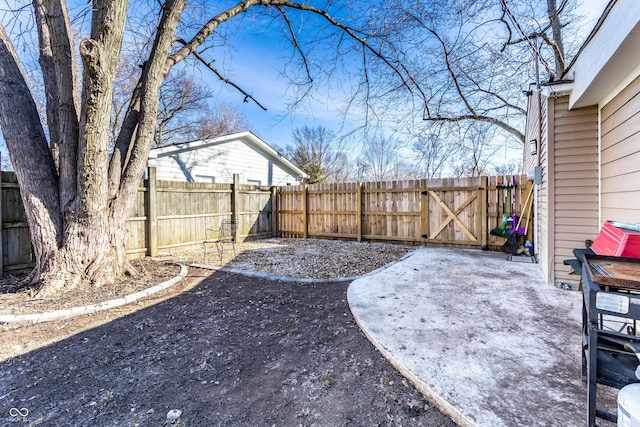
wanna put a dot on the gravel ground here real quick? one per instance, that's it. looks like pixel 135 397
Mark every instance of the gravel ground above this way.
pixel 302 258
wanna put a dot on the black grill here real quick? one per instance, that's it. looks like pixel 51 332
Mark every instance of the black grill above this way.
pixel 610 315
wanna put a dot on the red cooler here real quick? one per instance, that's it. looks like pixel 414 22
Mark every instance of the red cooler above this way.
pixel 615 240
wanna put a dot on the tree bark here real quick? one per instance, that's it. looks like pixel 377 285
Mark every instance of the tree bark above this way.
pixel 30 155
pixel 94 248
pixel 93 254
pixel 61 89
pixel 81 241
pixel 557 41
pixel 154 72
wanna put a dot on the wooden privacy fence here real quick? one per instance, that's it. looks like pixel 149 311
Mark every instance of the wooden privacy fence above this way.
pixel 447 211
pixel 170 215
pixel 455 211
pixel 371 211
pixel 16 238
pixel 166 215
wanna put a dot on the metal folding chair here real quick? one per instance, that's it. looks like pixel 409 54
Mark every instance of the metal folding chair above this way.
pixel 224 235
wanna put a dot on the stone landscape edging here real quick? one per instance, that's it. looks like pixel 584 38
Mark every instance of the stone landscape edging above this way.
pixel 93 308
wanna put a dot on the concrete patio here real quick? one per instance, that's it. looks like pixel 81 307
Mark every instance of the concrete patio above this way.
pixel 485 339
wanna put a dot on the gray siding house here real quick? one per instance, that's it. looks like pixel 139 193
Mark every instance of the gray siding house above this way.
pixel 216 160
pixel 583 136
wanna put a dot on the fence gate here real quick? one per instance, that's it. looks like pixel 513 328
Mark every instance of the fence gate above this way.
pixel 455 212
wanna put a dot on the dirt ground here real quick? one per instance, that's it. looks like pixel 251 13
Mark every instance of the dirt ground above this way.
pixel 221 348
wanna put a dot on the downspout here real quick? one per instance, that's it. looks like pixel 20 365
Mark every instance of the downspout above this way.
pixel 538 157
pixel 538 88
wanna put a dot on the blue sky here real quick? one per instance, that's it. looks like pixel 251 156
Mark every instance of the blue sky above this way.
pixel 257 65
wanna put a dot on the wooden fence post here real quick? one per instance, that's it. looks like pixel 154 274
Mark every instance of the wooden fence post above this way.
pixel 152 212
pixel 424 209
pixel 274 211
pixel 305 220
pixel 359 211
pixel 235 197
pixel 483 229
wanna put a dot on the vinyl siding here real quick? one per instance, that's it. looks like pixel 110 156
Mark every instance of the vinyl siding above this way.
pixel 574 207
pixel 541 218
pixel 620 157
pixel 219 162
pixel 530 161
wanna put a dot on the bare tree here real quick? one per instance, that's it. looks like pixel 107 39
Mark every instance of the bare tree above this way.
pixel 402 169
pixel 77 192
pixel 183 102
pixel 224 121
pixel 319 154
pixel 472 59
pixel 435 150
pixel 380 153
pixel 339 169
pixel 507 168
pixel 475 153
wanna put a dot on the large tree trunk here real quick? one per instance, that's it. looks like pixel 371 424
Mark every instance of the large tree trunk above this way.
pixel 78 233
pixel 92 250
pixel 82 248
pixel 93 254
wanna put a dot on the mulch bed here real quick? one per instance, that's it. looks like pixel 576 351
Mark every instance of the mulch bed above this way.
pixel 16 296
pixel 224 349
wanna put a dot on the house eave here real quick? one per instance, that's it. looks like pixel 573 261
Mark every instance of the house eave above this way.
pixel 556 89
pixel 608 56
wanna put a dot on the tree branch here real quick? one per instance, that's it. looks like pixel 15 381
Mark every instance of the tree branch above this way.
pixel 513 131
pixel 153 74
pixel 61 89
pixel 99 55
pixel 209 65
pixel 526 38
pixel 398 68
pixel 473 113
pixel 208 29
pixel 296 44
pixel 30 154
pixel 191 46
pixel 453 75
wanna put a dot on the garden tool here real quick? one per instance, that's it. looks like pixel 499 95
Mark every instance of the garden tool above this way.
pixel 509 222
pixel 513 201
pixel 498 230
pixel 526 211
pixel 504 208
